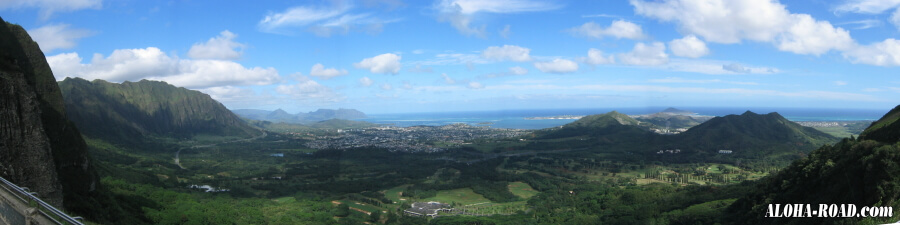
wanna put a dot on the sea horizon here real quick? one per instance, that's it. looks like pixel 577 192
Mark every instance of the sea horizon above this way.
pixel 516 119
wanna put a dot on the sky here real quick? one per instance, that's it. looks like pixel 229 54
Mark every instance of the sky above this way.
pixel 396 56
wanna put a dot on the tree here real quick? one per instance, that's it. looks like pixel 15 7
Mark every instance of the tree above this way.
pixel 375 216
pixel 343 210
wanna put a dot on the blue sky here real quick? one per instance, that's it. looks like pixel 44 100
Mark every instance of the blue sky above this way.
pixel 385 56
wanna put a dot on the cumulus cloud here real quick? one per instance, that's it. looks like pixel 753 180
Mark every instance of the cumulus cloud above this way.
pixel 763 21
pixel 386 87
pixel 384 63
pixel 557 66
pixel 507 52
pixel 618 29
pixel 646 55
pixel 461 13
pixel 321 20
pixel 320 71
pixel 219 47
pixel 152 63
pixel 365 81
pixel 735 67
pixel 307 90
pixel 596 57
pixel 885 53
pixel 57 36
pixel 808 36
pixel 689 46
pixel 48 7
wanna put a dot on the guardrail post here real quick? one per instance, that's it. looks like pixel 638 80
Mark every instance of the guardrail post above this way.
pixel 30 215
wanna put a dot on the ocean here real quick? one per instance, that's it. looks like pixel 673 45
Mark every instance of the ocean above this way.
pixel 515 119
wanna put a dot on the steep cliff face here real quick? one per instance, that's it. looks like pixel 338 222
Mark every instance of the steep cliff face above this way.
pixel 41 148
pixel 131 110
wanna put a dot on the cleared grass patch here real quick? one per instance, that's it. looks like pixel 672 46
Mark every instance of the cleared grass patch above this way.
pixel 522 190
pixel 463 196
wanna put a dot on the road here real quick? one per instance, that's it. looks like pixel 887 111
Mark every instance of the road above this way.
pixel 177 153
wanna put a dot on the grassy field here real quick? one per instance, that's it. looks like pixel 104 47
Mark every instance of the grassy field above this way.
pixel 840 132
pixel 361 206
pixel 522 190
pixel 394 193
pixel 463 196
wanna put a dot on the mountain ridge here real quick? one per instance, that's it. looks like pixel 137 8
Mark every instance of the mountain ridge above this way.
pixel 279 115
pixel 133 110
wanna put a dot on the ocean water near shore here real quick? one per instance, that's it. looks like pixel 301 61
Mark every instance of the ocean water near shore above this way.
pixel 516 119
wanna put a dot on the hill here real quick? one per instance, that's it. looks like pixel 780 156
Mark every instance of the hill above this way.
pixel 281 116
pixel 860 171
pixel 764 138
pixel 132 110
pixel 672 118
pixel 671 110
pixel 39 147
pixel 886 129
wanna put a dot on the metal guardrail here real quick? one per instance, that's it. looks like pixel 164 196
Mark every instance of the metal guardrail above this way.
pixel 26 198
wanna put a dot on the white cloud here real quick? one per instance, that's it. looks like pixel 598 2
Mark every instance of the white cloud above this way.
pixel 867 6
pixel 689 46
pixel 460 13
pixel 863 24
pixel 48 7
pixel 57 36
pixel 557 66
pixel 308 90
pixel 840 83
pixel 808 36
pixel 219 47
pixel 475 85
pixel 731 21
pixel 365 81
pixel 320 71
pixel 715 67
pixel 507 52
pixel 447 79
pixel 384 63
pixel 518 70
pixel 895 18
pixel 885 53
pixel 618 29
pixel 386 86
pixel 646 55
pixel 596 57
pixel 321 20
pixel 505 32
pixel 152 63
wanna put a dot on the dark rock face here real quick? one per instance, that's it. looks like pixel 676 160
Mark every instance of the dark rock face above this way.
pixel 40 149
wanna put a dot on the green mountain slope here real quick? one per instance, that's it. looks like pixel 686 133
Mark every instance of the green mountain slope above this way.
pixel 886 129
pixel 41 149
pixel 131 110
pixel 865 172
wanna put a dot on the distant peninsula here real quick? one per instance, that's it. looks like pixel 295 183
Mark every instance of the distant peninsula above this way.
pixel 563 117
pixel 282 116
